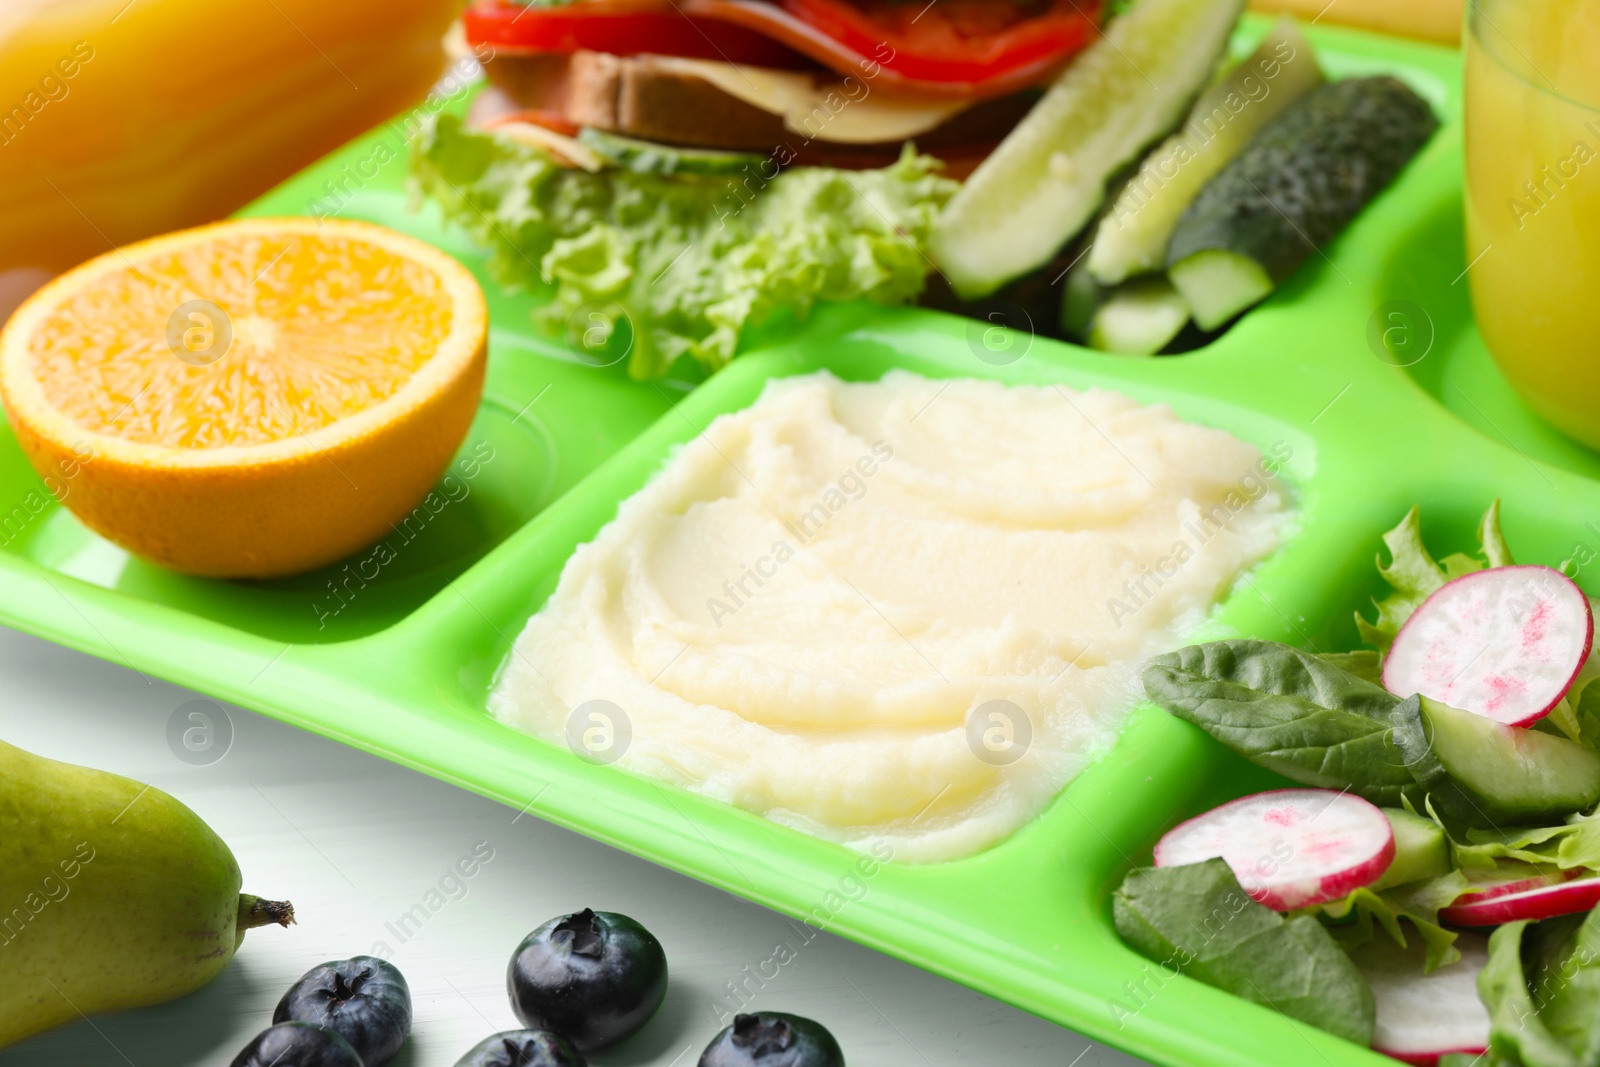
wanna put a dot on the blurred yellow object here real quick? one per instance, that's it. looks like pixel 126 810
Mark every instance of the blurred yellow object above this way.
pixel 124 118
pixel 1429 20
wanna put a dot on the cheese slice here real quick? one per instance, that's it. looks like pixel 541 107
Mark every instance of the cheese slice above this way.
pixel 566 149
pixel 823 108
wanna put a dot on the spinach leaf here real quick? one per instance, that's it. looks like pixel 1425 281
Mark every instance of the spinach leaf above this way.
pixel 1289 711
pixel 1519 1031
pixel 1561 963
pixel 1197 919
pixel 1363 663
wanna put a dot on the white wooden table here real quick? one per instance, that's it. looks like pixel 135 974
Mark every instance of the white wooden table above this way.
pixel 362 847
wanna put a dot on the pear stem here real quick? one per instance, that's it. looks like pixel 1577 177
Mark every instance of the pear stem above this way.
pixel 254 912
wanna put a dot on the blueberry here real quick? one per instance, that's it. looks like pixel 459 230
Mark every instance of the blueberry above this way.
pixel 523 1048
pixel 773 1039
pixel 298 1045
pixel 595 978
pixel 364 999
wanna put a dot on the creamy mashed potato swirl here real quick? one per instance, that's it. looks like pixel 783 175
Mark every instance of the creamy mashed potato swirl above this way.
pixel 906 611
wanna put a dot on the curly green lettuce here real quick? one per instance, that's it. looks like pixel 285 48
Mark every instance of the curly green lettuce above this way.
pixel 1413 574
pixel 1351 919
pixel 669 268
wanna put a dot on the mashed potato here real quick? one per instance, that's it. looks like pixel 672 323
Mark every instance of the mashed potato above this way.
pixel 907 611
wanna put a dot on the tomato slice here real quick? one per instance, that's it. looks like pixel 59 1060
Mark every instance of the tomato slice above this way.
pixel 976 48
pixel 623 28
pixel 955 40
pixel 961 48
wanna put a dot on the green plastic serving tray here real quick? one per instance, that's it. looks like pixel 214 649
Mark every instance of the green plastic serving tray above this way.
pixel 399 663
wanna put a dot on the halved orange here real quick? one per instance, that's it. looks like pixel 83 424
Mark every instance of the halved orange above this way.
pixel 252 398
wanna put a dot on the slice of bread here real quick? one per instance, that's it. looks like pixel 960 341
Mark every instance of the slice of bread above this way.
pixel 655 99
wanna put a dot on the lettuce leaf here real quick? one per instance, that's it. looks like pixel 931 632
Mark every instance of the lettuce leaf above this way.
pixel 1542 989
pixel 1413 574
pixel 1351 919
pixel 1574 844
pixel 1577 715
pixel 668 268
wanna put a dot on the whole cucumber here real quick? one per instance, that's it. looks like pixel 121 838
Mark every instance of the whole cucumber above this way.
pixel 1306 175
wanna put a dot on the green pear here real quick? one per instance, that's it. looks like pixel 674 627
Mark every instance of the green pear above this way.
pixel 112 895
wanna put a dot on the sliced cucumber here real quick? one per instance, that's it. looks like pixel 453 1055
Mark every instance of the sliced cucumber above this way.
pixel 1080 298
pixel 1132 238
pixel 1293 188
pixel 647 157
pixel 1139 318
pixel 1049 175
pixel 1480 773
pixel 1218 285
pixel 1421 850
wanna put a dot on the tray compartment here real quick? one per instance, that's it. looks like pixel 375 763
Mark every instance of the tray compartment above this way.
pixel 1027 920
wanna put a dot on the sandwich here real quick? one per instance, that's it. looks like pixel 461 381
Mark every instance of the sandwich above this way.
pixel 841 83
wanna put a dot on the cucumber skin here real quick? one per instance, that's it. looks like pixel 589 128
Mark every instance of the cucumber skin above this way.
pixel 1132 237
pixel 1307 175
pixel 1454 800
pixel 1033 186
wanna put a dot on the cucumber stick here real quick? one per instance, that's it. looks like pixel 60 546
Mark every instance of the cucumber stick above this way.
pixel 1138 318
pixel 1081 297
pixel 1421 850
pixel 1292 189
pixel 1477 772
pixel 1219 284
pixel 1132 237
pixel 1049 175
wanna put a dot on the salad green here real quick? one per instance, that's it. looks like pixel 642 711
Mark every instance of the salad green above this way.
pixel 1491 822
pixel 1542 988
pixel 1197 919
pixel 1290 711
pixel 663 267
pixel 1413 574
pixel 1353 919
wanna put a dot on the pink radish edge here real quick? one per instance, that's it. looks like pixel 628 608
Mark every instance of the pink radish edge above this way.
pixel 1452 588
pixel 1430 1059
pixel 1483 891
pixel 1567 898
pixel 1307 882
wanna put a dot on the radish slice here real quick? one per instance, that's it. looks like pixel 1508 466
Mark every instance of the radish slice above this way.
pixel 1546 902
pixel 1487 885
pixel 1424 1016
pixel 1289 848
pixel 1504 643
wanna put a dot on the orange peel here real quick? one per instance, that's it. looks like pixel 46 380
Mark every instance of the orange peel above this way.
pixel 248 399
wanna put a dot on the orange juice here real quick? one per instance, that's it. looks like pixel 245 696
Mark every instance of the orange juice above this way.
pixel 1533 200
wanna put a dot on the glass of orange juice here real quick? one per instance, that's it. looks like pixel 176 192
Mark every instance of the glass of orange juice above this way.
pixel 1533 200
